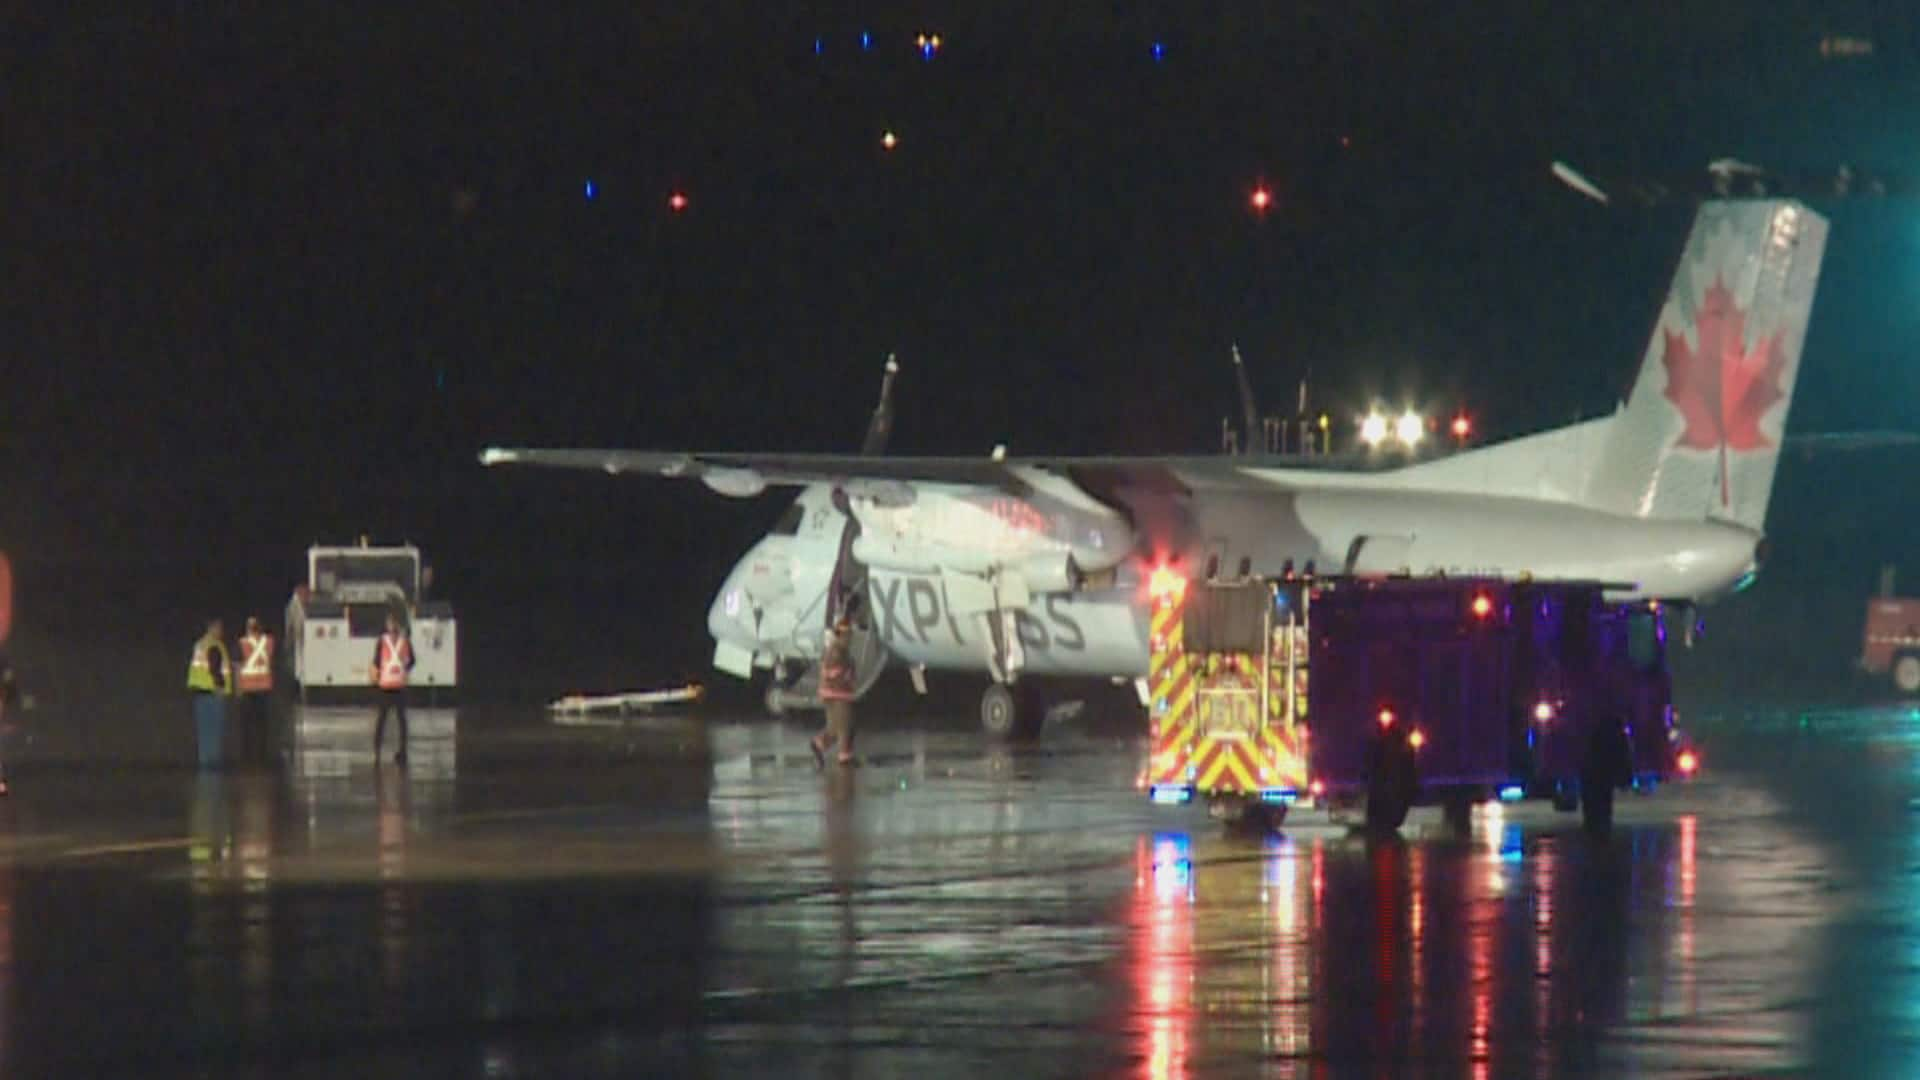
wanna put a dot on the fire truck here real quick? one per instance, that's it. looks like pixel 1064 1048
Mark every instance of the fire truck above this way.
pixel 1227 704
pixel 1890 644
pixel 1421 690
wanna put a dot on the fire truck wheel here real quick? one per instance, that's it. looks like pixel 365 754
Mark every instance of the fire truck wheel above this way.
pixel 1906 673
pixel 1272 816
pixel 1390 793
pixel 1596 807
pixel 775 701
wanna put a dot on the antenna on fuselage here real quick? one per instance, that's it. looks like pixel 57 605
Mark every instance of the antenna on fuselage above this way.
pixel 881 425
pixel 1249 412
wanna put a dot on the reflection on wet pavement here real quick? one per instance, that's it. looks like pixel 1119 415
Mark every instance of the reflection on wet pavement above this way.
pixel 668 895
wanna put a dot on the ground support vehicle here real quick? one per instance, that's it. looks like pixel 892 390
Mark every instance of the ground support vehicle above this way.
pixel 1433 690
pixel 1455 691
pixel 1226 688
pixel 335 619
pixel 1890 643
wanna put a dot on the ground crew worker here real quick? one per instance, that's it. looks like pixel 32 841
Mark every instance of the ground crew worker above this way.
pixel 209 678
pixel 255 683
pixel 836 694
pixel 392 659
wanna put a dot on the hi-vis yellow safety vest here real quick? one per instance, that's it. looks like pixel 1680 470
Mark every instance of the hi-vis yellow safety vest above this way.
pixel 256 663
pixel 208 655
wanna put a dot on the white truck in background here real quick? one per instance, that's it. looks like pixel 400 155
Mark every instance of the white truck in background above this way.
pixel 335 619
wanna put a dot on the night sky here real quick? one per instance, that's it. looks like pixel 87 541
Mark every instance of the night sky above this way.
pixel 277 272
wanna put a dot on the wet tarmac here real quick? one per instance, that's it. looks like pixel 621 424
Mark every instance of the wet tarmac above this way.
pixel 690 897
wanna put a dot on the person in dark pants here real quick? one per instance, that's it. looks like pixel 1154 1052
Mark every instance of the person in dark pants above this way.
pixel 392 660
pixel 255 682
pixel 210 681
pixel 836 694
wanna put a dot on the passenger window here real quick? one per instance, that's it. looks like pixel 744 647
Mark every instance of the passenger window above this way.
pixel 789 523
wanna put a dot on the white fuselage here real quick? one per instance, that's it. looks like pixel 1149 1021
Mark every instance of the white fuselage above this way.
pixel 772 603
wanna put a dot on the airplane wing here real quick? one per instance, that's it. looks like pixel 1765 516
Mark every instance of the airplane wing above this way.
pixel 743 475
pixel 887 479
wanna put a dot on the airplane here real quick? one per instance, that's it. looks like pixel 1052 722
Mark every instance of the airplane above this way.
pixel 1045 566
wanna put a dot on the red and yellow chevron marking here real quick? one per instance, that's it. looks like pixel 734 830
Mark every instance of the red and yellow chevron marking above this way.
pixel 1231 760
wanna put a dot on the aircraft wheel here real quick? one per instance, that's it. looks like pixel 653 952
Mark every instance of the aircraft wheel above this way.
pixel 999 711
pixel 1906 673
pixel 1012 712
pixel 775 700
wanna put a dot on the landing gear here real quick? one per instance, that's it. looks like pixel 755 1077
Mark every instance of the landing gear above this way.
pixel 1012 712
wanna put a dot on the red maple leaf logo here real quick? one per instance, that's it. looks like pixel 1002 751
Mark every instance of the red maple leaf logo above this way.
pixel 1722 389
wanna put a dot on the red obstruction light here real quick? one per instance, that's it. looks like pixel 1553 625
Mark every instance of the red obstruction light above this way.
pixel 1417 740
pixel 1689 763
pixel 1261 199
pixel 1543 712
pixel 1462 427
pixel 1482 605
pixel 677 201
pixel 1386 717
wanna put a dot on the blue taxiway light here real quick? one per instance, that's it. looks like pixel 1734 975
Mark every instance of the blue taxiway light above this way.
pixel 592 190
pixel 1159 52
pixel 866 40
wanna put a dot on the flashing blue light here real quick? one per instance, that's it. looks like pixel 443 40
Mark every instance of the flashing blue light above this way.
pixel 819 46
pixel 592 191
pixel 1512 793
pixel 866 40
pixel 926 50
pixel 1159 51
pixel 1170 794
pixel 1278 795
pixel 1172 845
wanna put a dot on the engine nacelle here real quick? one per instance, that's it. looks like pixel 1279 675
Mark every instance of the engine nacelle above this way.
pixel 1053 572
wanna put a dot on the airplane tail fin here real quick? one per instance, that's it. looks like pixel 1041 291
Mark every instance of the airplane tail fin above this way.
pixel 1700 435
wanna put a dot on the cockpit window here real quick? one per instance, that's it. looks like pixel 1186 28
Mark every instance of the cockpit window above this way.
pixel 789 523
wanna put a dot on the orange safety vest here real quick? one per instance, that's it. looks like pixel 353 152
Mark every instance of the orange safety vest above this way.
pixel 256 665
pixel 395 652
pixel 836 669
